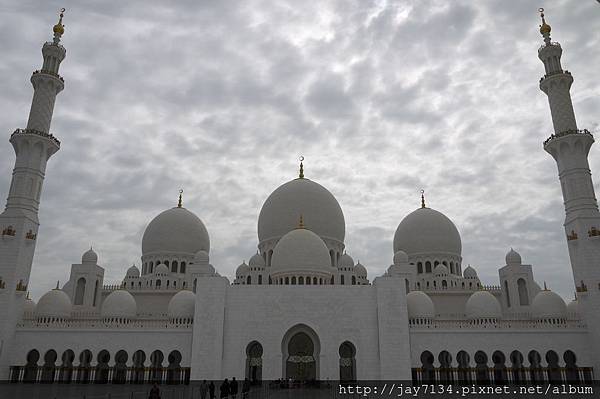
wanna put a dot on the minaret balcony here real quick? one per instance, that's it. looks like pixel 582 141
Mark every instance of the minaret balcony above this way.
pixel 548 75
pixel 49 136
pixel 567 133
pixel 552 44
pixel 47 72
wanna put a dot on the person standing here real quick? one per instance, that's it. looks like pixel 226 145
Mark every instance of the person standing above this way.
pixel 211 390
pixel 245 388
pixel 154 392
pixel 203 389
pixel 224 389
pixel 233 388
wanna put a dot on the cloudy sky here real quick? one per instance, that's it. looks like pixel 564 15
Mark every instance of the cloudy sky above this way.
pixel 220 98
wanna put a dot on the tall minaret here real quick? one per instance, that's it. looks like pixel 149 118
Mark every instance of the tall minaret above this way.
pixel 19 222
pixel 569 147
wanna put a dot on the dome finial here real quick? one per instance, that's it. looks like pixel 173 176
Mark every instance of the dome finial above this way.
pixel 301 222
pixel 301 175
pixel 422 198
pixel 545 286
pixel 179 203
pixel 545 29
pixel 57 284
pixel 59 28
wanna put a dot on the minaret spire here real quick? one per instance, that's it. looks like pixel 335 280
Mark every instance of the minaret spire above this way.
pixel 545 29
pixel 59 28
pixel 301 174
pixel 423 199
pixel 180 202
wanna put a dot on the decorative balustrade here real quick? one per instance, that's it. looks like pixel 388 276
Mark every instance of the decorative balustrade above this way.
pixel 567 133
pixel 554 44
pixel 38 133
pixel 102 323
pixel 493 324
pixel 51 73
pixel 99 374
pixel 502 375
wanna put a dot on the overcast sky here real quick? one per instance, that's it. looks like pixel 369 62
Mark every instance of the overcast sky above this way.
pixel 220 98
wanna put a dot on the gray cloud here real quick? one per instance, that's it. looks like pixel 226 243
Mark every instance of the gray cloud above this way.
pixel 382 97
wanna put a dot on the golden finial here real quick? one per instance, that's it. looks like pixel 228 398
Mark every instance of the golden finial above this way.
pixel 545 286
pixel 59 28
pixel 179 203
pixel 301 175
pixel 301 222
pixel 544 27
pixel 422 198
pixel 57 284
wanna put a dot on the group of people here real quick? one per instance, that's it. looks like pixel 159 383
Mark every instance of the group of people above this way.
pixel 228 389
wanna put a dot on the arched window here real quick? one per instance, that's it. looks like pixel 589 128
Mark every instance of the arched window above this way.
pixel 174 267
pixel 353 280
pixel 507 293
pixel 342 279
pixel 332 257
pixel 260 279
pixel 254 352
pixel 428 268
pixel 195 285
pixel 79 291
pixel 151 266
pixel 406 285
pixel 182 268
pixel 419 267
pixel 249 280
pixel 301 280
pixel 451 267
pixel 523 293
pixel 444 284
pixel 174 368
pixel 314 280
pixel 166 262
pixel 347 353
pixel 293 280
pixel 158 282
pixel 287 281
pixel 428 371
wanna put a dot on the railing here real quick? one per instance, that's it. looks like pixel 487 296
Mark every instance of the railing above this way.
pixel 38 133
pixel 501 375
pixel 47 72
pixel 543 46
pixel 101 323
pixel 495 324
pixel 100 374
pixel 566 72
pixel 567 133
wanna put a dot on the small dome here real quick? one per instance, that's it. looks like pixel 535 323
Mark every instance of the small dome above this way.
pixel 440 270
pixel 400 258
pixel 89 257
pixel 427 231
pixel 470 273
pixel 256 261
pixel 301 250
pixel 242 270
pixel 55 303
pixel 182 305
pixel 29 306
pixel 482 305
pixel 346 261
pixel 133 271
pixel 161 270
pixel 360 270
pixel 175 231
pixel 548 305
pixel 322 213
pixel 513 258
pixel 573 307
pixel 201 257
pixel 419 305
pixel 119 303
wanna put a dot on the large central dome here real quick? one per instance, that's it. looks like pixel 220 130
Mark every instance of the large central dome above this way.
pixel 175 231
pixel 321 211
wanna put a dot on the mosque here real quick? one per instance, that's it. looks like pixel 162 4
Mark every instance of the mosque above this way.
pixel 301 308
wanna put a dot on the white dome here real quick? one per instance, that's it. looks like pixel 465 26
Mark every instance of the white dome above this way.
pixel 89 257
pixel 175 231
pixel 256 261
pixel 440 270
pixel 573 307
pixel 321 211
pixel 513 258
pixel 301 250
pixel 548 305
pixel 55 303
pixel 119 303
pixel 161 270
pixel 133 271
pixel 346 261
pixel 360 270
pixel 28 306
pixel 419 305
pixel 482 305
pixel 201 257
pixel 400 258
pixel 242 270
pixel 182 305
pixel 470 273
pixel 427 231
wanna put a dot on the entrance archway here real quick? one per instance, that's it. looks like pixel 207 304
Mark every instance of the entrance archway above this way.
pixel 254 352
pixel 301 349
